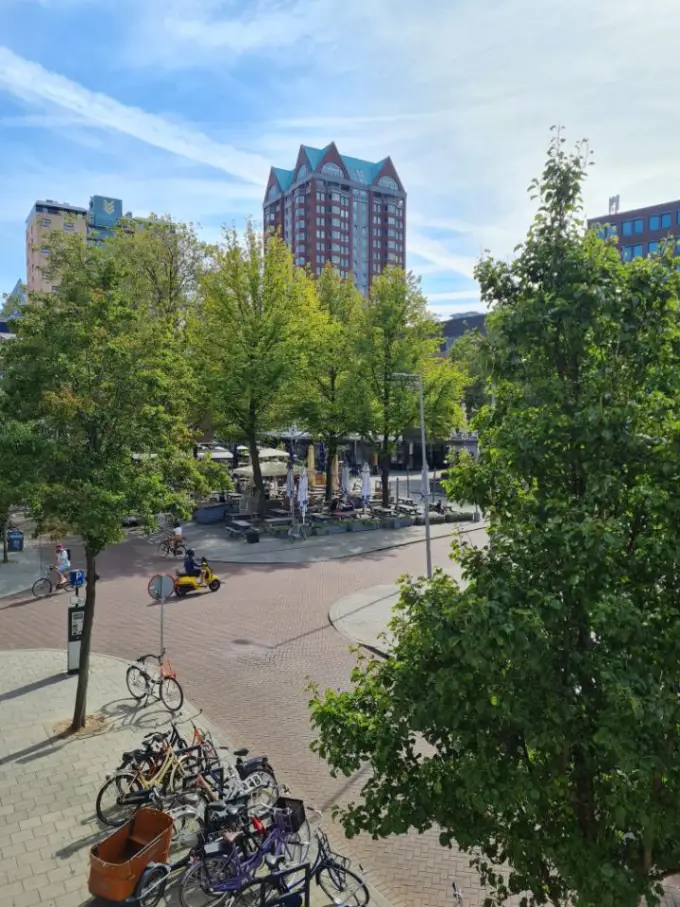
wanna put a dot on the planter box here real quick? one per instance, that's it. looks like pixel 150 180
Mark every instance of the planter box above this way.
pixel 211 513
pixel 436 518
pixel 335 528
pixel 459 516
pixel 402 522
pixel 360 526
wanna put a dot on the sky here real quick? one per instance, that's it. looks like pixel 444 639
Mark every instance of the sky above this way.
pixel 180 107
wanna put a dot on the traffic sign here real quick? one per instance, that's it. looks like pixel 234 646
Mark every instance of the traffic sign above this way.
pixel 161 586
pixel 77 578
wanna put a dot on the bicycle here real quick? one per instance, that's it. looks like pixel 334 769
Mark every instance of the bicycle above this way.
pixel 297 531
pixel 331 872
pixel 141 683
pixel 172 546
pixel 144 776
pixel 44 586
pixel 224 866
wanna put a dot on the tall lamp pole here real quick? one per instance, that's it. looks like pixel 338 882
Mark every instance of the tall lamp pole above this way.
pixel 425 480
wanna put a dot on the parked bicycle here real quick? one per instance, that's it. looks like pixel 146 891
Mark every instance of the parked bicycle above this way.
pixel 141 679
pixel 224 866
pixel 297 531
pixel 49 583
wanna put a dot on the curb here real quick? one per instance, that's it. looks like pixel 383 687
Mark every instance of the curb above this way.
pixel 342 557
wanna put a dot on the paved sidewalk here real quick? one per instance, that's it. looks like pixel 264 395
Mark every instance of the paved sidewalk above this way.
pixel 211 541
pixel 364 616
pixel 23 569
pixel 48 785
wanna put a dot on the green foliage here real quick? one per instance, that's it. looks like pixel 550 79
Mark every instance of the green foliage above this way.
pixel 467 353
pixel 533 715
pixel 98 378
pixel 397 335
pixel 329 403
pixel 258 313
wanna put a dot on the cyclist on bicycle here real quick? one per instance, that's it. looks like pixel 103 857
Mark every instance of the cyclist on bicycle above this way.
pixel 63 564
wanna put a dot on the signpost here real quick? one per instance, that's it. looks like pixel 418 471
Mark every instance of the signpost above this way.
pixel 76 620
pixel 161 586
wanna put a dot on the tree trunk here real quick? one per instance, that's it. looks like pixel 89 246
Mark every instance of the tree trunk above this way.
pixel 80 710
pixel 385 472
pixel 331 451
pixel 258 482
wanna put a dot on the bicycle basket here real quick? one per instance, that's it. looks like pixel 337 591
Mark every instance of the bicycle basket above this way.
pixel 289 814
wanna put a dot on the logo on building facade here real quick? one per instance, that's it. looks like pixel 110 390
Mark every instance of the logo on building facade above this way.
pixel 109 206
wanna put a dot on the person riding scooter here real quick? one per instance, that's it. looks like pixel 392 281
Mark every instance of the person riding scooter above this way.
pixel 191 568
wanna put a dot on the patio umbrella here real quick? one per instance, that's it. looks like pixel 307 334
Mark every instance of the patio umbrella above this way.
pixel 366 484
pixel 273 469
pixel 345 484
pixel 271 453
pixel 303 493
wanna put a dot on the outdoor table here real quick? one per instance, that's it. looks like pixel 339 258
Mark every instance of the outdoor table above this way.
pixel 277 521
pixel 320 517
pixel 278 511
pixel 242 525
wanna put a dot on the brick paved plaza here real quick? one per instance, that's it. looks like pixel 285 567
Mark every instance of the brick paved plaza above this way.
pixel 245 655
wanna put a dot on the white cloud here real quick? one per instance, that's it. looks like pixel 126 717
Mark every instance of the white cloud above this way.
pixel 30 81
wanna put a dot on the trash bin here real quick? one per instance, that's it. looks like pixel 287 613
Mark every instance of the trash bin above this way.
pixel 15 540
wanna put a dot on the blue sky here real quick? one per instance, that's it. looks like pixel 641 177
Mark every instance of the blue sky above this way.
pixel 180 106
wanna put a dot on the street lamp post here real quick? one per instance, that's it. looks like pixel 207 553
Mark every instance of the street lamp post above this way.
pixel 425 480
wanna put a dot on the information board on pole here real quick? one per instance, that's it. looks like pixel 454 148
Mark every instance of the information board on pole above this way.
pixel 161 586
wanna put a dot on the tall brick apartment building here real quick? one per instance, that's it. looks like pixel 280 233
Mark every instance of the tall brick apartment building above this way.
pixel 339 209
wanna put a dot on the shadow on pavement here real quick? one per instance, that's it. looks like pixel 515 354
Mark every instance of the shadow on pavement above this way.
pixel 31 687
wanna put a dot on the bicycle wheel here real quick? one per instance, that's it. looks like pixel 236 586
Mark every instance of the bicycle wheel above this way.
pixel 179 550
pixel 267 792
pixel 186 832
pixel 41 587
pixel 195 888
pixel 172 695
pixel 296 845
pixel 303 532
pixel 164 549
pixel 138 682
pixel 343 886
pixel 110 811
pixel 151 886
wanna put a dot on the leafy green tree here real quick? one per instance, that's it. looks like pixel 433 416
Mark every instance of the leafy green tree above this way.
pixel 467 354
pixel 17 444
pixel 397 336
pixel 534 715
pixel 330 400
pixel 257 315
pixel 94 374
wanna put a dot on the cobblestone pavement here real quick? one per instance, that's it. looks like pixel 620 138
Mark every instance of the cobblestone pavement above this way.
pixel 48 785
pixel 245 655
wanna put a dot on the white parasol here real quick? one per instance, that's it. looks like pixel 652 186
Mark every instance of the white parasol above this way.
pixel 271 453
pixel 303 493
pixel 272 469
pixel 345 482
pixel 366 490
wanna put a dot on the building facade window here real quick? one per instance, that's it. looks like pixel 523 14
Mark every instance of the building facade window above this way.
pixel 45 250
pixel 45 222
pixel 388 183
pixel 332 169
pixel 302 172
pixel 628 228
pixel 637 251
pixel 665 220
pixel 627 253
pixel 639 225
pixel 653 247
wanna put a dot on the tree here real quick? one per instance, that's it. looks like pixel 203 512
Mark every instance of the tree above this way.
pixel 329 404
pixel 17 444
pixel 258 313
pixel 546 691
pixel 99 376
pixel 397 336
pixel 467 354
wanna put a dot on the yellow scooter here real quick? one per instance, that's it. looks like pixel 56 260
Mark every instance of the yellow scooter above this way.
pixel 185 584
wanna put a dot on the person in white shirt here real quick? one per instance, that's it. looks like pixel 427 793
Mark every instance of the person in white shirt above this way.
pixel 63 564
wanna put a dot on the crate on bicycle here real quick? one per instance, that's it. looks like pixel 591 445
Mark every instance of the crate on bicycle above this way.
pixel 118 862
pixel 289 814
